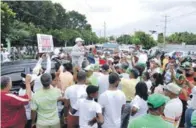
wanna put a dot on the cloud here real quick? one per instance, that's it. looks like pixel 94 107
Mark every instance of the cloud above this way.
pixel 126 16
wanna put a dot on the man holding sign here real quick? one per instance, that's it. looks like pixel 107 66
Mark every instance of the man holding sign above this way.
pixel 78 52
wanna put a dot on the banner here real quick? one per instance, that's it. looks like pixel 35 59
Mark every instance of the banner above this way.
pixel 45 43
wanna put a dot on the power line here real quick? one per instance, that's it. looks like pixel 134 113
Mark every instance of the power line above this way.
pixel 185 14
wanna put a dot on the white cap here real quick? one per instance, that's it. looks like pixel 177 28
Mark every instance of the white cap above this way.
pixel 79 40
pixel 111 59
pixel 89 67
pixel 156 61
pixel 172 87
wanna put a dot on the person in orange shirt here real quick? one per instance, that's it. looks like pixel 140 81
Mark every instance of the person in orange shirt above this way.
pixel 66 76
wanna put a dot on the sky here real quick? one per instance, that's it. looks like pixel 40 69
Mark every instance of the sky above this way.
pixel 127 16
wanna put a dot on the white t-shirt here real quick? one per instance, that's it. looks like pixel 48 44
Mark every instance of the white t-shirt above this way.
pixel 149 85
pixel 37 84
pixel 173 111
pixel 87 111
pixel 192 102
pixel 74 93
pixel 142 58
pixel 140 104
pixel 22 92
pixel 112 102
pixel 103 83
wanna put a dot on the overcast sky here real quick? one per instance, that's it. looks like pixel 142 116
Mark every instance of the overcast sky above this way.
pixel 127 16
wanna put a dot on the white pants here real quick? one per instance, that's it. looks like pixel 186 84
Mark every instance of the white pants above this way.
pixel 77 61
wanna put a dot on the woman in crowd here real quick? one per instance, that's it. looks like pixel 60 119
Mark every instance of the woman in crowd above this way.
pixel 146 79
pixel 138 104
pixel 157 82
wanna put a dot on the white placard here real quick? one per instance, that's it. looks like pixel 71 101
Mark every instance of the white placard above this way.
pixel 45 43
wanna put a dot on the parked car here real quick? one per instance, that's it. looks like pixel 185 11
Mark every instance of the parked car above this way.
pixel 15 68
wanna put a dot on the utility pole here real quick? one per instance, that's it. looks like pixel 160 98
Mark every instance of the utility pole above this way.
pixel 165 29
pixel 104 29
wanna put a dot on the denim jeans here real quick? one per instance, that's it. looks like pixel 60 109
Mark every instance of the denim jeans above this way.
pixel 188 115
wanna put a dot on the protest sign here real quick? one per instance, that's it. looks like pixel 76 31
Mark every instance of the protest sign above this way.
pixel 45 43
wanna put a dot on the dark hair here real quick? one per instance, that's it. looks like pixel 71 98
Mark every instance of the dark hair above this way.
pixel 113 78
pixel 4 81
pixel 53 76
pixel 135 73
pixel 158 80
pixel 140 69
pixel 68 67
pixel 147 75
pixel 46 80
pixel 81 75
pixel 91 89
pixel 57 66
pixel 141 90
pixel 179 71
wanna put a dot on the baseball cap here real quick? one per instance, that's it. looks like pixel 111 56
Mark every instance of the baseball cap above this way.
pixel 124 66
pixel 79 40
pixel 105 67
pixel 156 61
pixel 172 87
pixel 89 67
pixel 134 71
pixel 156 100
pixel 111 59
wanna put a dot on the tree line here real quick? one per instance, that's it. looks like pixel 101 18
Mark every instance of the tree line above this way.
pixel 22 20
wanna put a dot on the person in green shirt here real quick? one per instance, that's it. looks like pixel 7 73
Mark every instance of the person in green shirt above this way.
pixel 91 79
pixel 44 104
pixel 153 119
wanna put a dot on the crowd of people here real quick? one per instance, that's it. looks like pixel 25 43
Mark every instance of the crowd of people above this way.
pixel 119 90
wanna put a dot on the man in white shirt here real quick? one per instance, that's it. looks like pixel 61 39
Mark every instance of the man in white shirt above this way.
pixel 90 112
pixel 37 70
pixel 72 95
pixel 112 102
pixel 173 108
pixel 191 105
pixel 103 81
pixel 78 52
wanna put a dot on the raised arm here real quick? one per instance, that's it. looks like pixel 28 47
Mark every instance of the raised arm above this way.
pixel 48 67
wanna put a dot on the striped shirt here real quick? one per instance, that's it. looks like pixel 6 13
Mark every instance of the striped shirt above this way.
pixel 12 110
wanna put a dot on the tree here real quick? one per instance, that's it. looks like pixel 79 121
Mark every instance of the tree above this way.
pixel 180 37
pixel 141 38
pixel 34 17
pixel 111 38
pixel 7 18
pixel 124 39
pixel 103 40
pixel 61 16
pixel 76 20
pixel 160 38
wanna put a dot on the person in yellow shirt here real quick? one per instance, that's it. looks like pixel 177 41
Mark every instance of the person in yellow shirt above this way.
pixel 165 61
pixel 128 85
